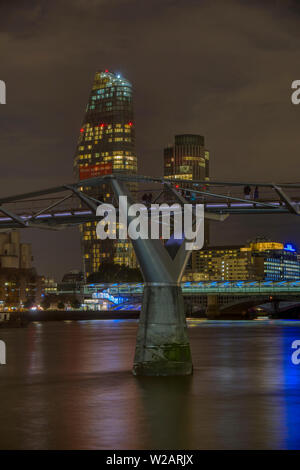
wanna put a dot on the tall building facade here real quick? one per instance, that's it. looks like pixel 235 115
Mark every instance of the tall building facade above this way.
pixel 188 159
pixel 13 253
pixel 106 145
pixel 19 282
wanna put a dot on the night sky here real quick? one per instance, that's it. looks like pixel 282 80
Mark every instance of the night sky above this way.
pixel 222 69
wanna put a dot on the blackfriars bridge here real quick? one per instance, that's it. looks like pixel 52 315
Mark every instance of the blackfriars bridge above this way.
pixel 222 297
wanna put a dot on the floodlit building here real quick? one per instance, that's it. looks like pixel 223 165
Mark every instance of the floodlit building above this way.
pixel 188 159
pixel 260 259
pixel 49 286
pixel 14 254
pixel 19 282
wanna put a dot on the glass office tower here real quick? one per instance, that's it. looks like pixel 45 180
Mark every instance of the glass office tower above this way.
pixel 106 145
pixel 188 159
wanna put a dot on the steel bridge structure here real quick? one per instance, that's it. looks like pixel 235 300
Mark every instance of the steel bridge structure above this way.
pixel 68 204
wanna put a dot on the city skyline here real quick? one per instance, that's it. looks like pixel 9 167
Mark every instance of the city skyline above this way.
pixel 149 228
pixel 240 109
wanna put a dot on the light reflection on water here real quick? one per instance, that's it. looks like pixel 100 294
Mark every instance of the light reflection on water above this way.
pixel 69 385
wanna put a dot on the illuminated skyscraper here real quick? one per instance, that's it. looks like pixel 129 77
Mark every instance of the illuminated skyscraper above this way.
pixel 188 159
pixel 106 145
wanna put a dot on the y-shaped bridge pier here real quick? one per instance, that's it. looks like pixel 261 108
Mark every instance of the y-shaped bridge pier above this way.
pixel 162 346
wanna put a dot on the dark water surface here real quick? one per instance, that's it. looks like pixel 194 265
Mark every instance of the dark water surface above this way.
pixel 69 386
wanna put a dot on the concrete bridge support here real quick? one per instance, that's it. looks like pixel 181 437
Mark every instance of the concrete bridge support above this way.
pixel 213 309
pixel 275 307
pixel 162 347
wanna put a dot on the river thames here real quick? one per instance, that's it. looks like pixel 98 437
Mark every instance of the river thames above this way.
pixel 68 385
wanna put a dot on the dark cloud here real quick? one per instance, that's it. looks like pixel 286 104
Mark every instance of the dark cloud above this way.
pixel 221 69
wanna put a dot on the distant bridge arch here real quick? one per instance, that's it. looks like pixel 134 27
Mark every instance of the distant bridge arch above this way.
pixel 244 304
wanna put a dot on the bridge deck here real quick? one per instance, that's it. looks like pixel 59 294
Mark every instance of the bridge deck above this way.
pixel 76 215
pixel 71 205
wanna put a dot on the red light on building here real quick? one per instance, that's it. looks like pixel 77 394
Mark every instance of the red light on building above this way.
pixel 102 125
pixel 82 129
pixel 106 71
pixel 130 123
pixel 95 170
pixel 176 186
